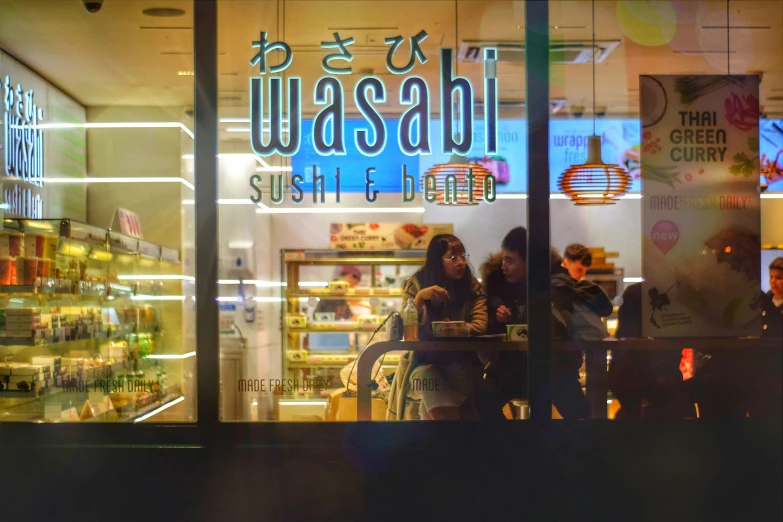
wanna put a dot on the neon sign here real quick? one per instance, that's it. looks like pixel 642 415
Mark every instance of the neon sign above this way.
pixel 329 139
pixel 23 149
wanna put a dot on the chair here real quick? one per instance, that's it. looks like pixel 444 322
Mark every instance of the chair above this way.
pixel 343 409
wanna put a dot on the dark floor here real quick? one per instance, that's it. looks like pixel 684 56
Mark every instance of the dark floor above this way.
pixel 578 472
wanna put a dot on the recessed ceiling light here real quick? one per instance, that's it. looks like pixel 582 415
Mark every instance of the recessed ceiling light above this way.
pixel 185 73
pixel 163 12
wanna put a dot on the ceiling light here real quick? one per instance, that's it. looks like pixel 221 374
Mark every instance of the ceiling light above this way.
pixel 163 12
pixel 594 182
pixel 457 168
pixel 185 73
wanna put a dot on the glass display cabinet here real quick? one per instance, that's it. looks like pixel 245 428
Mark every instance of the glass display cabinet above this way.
pixel 91 326
pixel 329 314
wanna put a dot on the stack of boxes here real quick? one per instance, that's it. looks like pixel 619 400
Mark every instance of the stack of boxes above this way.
pixel 24 377
pixel 20 323
pixel 600 258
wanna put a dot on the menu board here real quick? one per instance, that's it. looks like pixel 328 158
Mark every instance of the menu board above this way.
pixel 701 206
pixel 384 236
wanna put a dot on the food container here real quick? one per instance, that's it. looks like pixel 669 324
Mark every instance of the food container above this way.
pixel 7 269
pixel 11 245
pixel 338 287
pixel 516 332
pixel 30 267
pixel 369 322
pixel 34 245
pixel 324 316
pixel 449 329
pixel 44 267
pixel 296 321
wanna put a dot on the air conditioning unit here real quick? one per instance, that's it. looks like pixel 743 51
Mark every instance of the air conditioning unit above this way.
pixel 560 53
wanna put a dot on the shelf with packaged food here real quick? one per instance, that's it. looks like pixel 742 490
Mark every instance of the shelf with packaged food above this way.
pixel 312 305
pixel 97 297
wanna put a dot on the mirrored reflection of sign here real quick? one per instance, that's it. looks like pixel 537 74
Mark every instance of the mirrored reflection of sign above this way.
pixel 23 151
pixel 701 206
pixel 384 236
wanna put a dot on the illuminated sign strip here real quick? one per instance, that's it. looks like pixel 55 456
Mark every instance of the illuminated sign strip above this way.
pixel 171 356
pixel 119 125
pixel 185 182
pixel 158 410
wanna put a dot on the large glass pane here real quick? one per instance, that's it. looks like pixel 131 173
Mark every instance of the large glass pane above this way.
pixel 305 282
pixel 680 97
pixel 96 242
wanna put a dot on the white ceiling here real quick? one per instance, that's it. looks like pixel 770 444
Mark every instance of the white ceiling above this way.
pixel 121 57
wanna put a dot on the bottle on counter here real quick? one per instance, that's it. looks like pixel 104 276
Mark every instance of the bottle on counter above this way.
pixel 410 320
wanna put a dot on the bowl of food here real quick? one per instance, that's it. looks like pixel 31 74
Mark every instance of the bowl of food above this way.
pixel 449 329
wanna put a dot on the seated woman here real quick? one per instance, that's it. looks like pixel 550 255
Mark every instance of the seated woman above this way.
pixel 443 289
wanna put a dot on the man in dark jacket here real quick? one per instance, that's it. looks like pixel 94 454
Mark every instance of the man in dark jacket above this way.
pixel 504 277
pixel 766 380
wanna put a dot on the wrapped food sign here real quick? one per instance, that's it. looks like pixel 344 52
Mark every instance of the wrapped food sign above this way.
pixel 328 133
pixel 384 236
pixel 701 206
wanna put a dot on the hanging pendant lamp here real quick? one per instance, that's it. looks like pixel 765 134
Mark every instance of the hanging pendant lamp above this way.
pixel 457 166
pixel 594 182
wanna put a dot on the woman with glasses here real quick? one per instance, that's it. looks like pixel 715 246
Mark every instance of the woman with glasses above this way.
pixel 443 289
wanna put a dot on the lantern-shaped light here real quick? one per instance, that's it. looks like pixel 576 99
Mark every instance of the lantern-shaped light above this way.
pixel 594 182
pixel 445 186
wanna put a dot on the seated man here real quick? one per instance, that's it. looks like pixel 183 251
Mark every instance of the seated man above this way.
pixel 577 259
pixel 504 277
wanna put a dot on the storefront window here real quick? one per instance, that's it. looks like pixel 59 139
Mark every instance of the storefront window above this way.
pixel 308 281
pixel 96 243
pixel 679 229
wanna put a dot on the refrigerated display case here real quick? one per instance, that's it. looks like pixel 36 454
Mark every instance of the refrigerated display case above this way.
pixel 91 325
